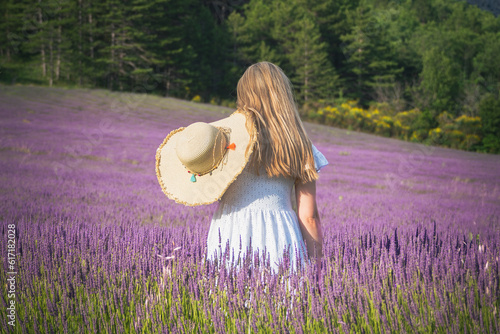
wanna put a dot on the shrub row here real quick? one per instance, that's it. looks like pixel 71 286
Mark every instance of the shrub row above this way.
pixel 461 132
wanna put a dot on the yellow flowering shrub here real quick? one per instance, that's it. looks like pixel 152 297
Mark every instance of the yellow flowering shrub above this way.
pixel 459 132
pixel 444 119
pixel 387 120
pixel 436 135
pixel 407 118
pixel 383 128
pixel 435 131
pixel 415 137
pixel 455 138
pixel 468 125
pixel 469 141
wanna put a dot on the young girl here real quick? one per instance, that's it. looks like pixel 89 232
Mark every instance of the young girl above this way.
pixel 255 213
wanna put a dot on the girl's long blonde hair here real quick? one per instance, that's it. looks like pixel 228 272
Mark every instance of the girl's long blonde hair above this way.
pixel 282 147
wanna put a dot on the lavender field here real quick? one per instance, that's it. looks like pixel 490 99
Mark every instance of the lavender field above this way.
pixel 412 232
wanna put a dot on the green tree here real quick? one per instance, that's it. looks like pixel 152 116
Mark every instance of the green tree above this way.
pixel 123 54
pixel 369 53
pixel 212 47
pixel 331 18
pixel 285 33
pixel 490 121
pixel 15 29
pixel 441 80
pixel 255 34
pixel 161 45
pixel 314 76
pixel 486 63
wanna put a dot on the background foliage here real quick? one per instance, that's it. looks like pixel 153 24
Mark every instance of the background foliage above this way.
pixel 434 57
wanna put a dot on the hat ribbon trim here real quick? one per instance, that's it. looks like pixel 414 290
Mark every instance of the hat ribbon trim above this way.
pixel 232 146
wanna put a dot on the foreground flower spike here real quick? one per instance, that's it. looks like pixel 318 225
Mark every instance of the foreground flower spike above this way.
pixel 231 146
pixel 193 178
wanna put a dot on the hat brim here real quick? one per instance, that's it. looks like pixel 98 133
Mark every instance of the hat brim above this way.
pixel 175 180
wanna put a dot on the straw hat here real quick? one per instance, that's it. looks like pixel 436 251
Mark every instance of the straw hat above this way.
pixel 196 164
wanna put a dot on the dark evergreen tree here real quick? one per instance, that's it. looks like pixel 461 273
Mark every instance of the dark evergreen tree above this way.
pixel 314 76
pixel 368 53
pixel 15 28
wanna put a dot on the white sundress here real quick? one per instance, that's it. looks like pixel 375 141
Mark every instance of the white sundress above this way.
pixel 257 210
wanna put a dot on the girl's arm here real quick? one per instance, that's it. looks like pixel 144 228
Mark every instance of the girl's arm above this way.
pixel 309 221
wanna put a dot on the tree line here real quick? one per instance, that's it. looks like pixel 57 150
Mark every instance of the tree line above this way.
pixel 432 55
